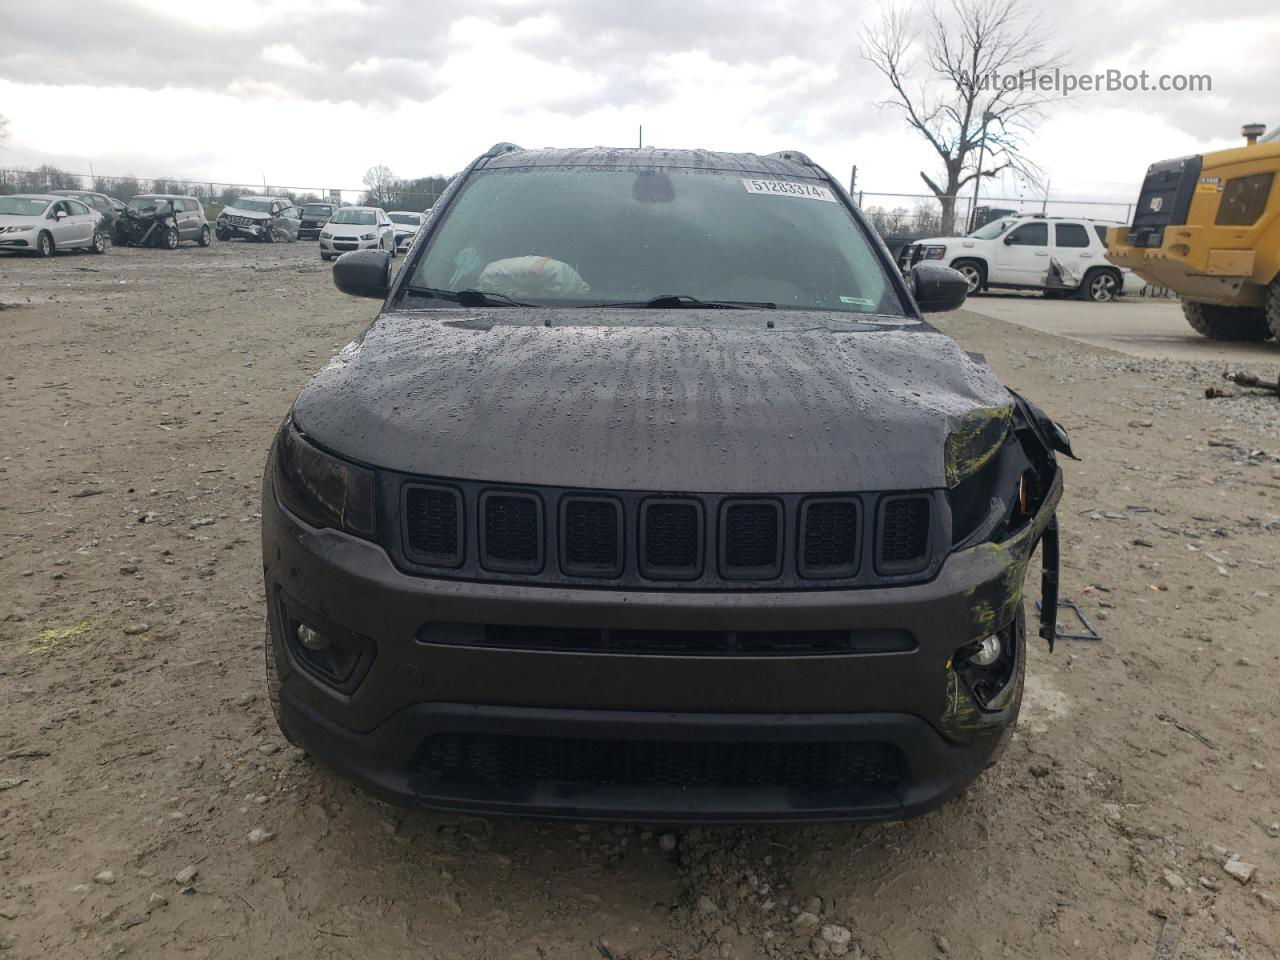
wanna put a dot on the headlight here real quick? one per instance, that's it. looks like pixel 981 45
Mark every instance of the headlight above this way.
pixel 20 228
pixel 326 235
pixel 321 489
pixel 367 236
pixel 934 252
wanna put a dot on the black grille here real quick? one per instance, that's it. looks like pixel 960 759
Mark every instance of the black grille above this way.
pixel 754 643
pixel 830 539
pixel 509 761
pixel 751 540
pixel 432 516
pixel 904 532
pixel 510 533
pixel 672 534
pixel 591 534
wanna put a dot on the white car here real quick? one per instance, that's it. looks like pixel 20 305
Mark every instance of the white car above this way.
pixel 41 223
pixel 1061 254
pixel 357 228
pixel 406 225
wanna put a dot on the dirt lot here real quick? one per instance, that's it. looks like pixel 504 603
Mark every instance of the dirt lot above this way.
pixel 140 391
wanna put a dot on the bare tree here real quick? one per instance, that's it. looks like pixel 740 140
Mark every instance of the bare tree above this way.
pixel 4 129
pixel 955 81
pixel 381 186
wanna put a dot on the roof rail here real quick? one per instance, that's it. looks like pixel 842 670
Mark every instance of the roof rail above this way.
pixel 502 147
pixel 795 156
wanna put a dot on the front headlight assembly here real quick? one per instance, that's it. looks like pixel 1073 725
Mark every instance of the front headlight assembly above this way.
pixel 321 489
pixel 367 236
pixel 934 252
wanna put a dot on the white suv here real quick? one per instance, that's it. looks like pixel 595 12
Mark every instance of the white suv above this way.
pixel 1059 254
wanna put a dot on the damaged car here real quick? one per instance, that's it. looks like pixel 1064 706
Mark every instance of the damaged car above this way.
pixel 650 495
pixel 267 219
pixel 162 220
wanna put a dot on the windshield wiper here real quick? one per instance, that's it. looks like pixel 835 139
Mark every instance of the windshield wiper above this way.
pixel 468 298
pixel 680 301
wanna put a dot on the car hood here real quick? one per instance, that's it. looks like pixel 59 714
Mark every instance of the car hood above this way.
pixel 405 227
pixel 17 220
pixel 699 401
pixel 949 241
pixel 251 214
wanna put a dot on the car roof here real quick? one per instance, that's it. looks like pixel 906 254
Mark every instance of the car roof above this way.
pixel 359 206
pixel 789 163
pixel 163 196
pixel 78 193
pixel 412 213
pixel 257 196
pixel 36 196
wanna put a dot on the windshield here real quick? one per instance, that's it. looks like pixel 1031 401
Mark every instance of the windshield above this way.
pixel 575 236
pixel 410 218
pixel 22 207
pixel 351 215
pixel 146 203
pixel 253 206
pixel 317 209
pixel 992 230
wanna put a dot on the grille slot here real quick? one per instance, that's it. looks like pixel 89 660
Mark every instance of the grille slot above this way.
pixel 671 539
pixel 753 643
pixel 433 525
pixel 591 537
pixel 751 544
pixel 830 544
pixel 511 532
pixel 513 761
pixel 904 534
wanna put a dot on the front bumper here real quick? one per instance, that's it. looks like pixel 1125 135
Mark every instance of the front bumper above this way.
pixel 346 244
pixel 404 241
pixel 248 232
pixel 407 697
pixel 15 240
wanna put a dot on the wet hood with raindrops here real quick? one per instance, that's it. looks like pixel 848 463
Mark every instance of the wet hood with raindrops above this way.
pixel 708 401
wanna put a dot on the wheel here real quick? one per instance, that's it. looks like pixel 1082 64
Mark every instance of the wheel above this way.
pixel 1101 286
pixel 171 238
pixel 325 256
pixel 99 242
pixel 273 684
pixel 44 244
pixel 1273 308
pixel 1218 322
pixel 205 237
pixel 223 235
pixel 269 236
pixel 975 272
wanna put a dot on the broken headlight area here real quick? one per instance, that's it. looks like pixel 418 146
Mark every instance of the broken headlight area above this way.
pixel 320 489
pixel 982 684
pixel 143 227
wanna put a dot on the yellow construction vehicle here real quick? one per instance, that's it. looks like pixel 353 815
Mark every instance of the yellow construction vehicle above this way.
pixel 1207 227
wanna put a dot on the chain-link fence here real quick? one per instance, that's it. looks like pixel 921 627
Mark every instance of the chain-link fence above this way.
pixel 915 215
pixel 416 195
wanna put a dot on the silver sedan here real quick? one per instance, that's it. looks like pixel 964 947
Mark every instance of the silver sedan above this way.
pixel 42 223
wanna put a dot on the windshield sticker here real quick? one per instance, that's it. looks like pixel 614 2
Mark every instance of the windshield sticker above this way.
pixel 784 188
pixel 858 301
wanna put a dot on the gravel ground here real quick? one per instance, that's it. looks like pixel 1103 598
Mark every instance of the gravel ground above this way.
pixel 148 806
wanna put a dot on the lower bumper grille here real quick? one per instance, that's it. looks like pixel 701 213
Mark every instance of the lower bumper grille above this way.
pixel 510 761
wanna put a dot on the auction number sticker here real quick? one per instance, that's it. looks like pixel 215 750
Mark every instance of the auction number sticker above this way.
pixel 785 188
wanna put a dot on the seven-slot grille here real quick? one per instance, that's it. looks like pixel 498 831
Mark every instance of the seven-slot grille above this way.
pixel 636 539
pixel 904 533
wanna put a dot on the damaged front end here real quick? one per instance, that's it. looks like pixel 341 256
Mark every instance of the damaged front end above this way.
pixel 149 226
pixel 1005 485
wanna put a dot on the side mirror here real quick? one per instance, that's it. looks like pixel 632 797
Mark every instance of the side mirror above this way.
pixel 937 288
pixel 1008 240
pixel 60 215
pixel 364 273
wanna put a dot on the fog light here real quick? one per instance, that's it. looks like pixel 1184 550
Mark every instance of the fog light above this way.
pixel 313 639
pixel 987 652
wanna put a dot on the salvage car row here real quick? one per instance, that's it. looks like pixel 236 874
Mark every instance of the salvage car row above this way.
pixel 45 223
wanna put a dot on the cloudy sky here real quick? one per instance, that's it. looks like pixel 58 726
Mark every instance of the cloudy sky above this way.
pixel 310 93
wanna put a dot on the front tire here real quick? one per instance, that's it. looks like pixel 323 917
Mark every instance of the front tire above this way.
pixel 205 237
pixel 1218 322
pixel 44 244
pixel 325 256
pixel 1101 286
pixel 975 273
pixel 171 238
pixel 223 235
pixel 99 244
pixel 1273 308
